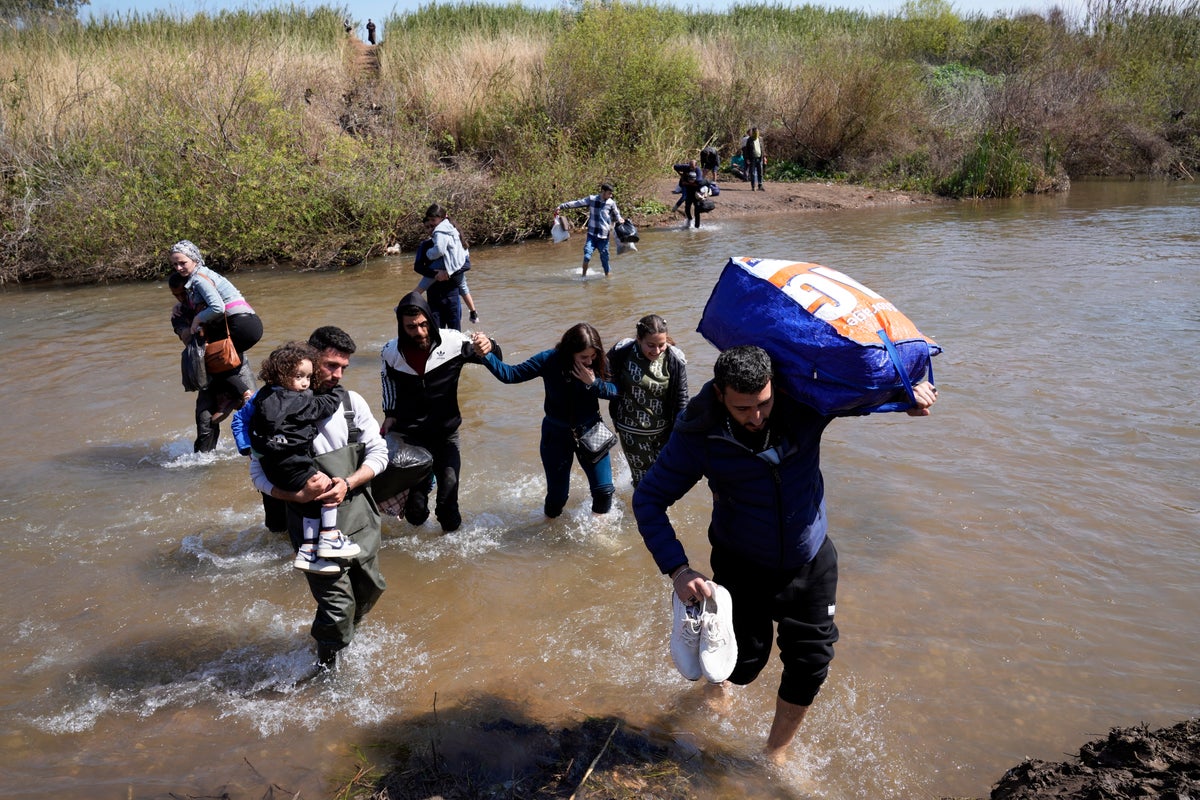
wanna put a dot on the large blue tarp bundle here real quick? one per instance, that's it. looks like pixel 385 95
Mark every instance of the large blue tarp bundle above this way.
pixel 837 345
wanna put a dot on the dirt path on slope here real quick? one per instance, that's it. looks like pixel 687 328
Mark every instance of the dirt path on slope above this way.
pixel 364 60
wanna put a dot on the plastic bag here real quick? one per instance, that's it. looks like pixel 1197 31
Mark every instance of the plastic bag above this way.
pixel 626 232
pixel 195 376
pixel 561 230
pixel 837 346
pixel 407 466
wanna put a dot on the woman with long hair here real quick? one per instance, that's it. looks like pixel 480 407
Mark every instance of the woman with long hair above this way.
pixel 575 376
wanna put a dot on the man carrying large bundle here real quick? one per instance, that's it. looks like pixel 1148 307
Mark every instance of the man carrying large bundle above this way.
pixel 760 451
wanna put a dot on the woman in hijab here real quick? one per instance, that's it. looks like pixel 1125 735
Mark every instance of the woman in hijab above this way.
pixel 223 312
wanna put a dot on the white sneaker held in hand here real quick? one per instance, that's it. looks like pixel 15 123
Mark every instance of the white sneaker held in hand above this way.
pixel 718 647
pixel 685 638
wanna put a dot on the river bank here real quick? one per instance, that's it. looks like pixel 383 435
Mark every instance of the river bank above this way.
pixel 317 151
pixel 738 200
pixel 606 758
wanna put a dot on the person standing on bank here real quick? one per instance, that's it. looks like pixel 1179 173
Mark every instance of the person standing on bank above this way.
pixel 651 377
pixel 421 368
pixel 755 157
pixel 769 547
pixel 574 374
pixel 223 312
pixel 349 451
pixel 710 159
pixel 370 31
pixel 602 215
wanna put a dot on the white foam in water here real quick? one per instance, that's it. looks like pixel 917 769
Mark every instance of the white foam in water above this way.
pixel 177 453
pixel 77 719
pixel 479 535
pixel 259 684
pixel 236 549
pixel 358 690
pixel 848 733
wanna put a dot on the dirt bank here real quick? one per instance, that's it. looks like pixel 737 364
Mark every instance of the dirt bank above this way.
pixel 608 759
pixel 737 200
pixel 1129 763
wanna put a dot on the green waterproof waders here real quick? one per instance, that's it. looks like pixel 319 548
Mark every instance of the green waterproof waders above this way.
pixel 345 598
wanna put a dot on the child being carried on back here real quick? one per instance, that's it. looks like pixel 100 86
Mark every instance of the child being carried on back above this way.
pixel 282 429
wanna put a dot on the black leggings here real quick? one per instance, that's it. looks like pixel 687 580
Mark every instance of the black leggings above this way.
pixel 245 330
pixel 802 602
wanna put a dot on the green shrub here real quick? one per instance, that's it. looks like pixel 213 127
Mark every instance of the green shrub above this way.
pixel 616 78
pixel 259 134
pixel 929 31
pixel 912 172
pixel 843 105
pixel 995 168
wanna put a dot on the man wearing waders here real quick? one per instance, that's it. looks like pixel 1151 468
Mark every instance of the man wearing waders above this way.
pixel 350 451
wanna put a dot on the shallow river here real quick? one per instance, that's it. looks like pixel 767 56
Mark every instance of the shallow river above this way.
pixel 1018 571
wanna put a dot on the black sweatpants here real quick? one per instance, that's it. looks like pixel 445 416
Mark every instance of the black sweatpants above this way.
pixel 802 601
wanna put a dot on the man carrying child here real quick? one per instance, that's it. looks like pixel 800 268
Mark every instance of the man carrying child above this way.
pixel 349 452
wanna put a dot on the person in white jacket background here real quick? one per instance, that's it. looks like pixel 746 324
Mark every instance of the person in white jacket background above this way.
pixel 447 257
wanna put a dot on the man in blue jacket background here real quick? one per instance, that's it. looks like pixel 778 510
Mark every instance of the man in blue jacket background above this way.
pixel 760 451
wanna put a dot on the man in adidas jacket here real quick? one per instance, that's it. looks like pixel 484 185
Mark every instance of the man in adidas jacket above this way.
pixel 421 367
pixel 760 451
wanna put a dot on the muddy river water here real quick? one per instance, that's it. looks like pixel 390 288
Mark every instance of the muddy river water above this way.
pixel 1018 570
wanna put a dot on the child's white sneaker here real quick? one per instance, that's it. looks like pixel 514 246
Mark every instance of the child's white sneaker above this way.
pixel 308 561
pixel 334 544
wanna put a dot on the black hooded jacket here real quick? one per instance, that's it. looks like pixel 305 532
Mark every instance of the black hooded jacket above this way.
pixel 425 406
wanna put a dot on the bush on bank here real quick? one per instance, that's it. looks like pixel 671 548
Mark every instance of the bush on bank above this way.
pixel 263 136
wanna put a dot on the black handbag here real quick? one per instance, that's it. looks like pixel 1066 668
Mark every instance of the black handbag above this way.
pixel 594 442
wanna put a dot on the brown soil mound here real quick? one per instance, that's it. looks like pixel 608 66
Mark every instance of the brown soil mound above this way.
pixel 1130 763
pixel 456 756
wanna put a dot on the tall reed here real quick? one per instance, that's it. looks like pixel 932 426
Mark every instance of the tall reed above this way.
pixel 260 135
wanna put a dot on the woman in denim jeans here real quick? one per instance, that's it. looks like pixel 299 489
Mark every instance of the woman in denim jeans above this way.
pixel 575 375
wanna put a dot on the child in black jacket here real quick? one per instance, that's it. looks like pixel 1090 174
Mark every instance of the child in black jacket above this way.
pixel 282 429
